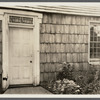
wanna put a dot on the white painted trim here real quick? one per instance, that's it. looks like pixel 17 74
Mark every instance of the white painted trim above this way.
pixel 5 50
pixel 93 61
pixel 24 13
pixel 5 83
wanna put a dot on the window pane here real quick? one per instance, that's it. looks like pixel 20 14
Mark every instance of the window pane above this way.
pixel 91 45
pixel 98 38
pixel 91 39
pixel 95 41
pixel 95 38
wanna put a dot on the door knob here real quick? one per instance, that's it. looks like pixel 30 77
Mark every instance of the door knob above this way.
pixel 30 61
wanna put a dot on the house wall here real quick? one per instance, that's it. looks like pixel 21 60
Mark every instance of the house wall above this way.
pixel 64 38
pixel 0 56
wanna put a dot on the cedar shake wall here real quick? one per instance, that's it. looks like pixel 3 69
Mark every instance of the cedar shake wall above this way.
pixel 0 56
pixel 63 38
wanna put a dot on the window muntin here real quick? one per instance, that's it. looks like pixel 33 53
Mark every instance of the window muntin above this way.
pixel 94 41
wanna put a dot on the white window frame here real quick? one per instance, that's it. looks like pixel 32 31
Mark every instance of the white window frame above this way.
pixel 95 61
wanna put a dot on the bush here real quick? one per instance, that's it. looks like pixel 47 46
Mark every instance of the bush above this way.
pixel 71 82
pixel 65 72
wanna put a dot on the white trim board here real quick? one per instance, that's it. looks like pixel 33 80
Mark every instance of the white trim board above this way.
pixel 5 43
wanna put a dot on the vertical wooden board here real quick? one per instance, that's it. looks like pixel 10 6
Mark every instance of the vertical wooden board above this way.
pixel 78 57
pixel 57 29
pixel 73 20
pixel 46 77
pixel 63 19
pixel 0 47
pixel 80 39
pixel 57 46
pixel 58 67
pixel 73 38
pixel 86 38
pixel 49 18
pixel 71 29
pixel 41 77
pixel 52 28
pixel 62 48
pixel 52 48
pixel 62 29
pixel 75 57
pixel 0 25
pixel 45 18
pixel 59 58
pixel 78 18
pixel 58 19
pixel 87 20
pixel 81 57
pixel 76 66
pixel 67 36
pixel 67 47
pixel 45 37
pixel 83 20
pixel 82 48
pixel 86 48
pixel 0 36
pixel 46 67
pixel 77 47
pixel 58 38
pixel 47 48
pixel 64 57
pixel 66 28
pixel 0 83
pixel 51 58
pixel 52 68
pixel 68 19
pixel 42 67
pixel 48 59
pixel 54 57
pixel 42 57
pixel 47 28
pixel 79 30
pixel 70 38
pixel 86 57
pixel 43 27
pixel 42 48
pixel 1 71
pixel 41 38
pixel 86 31
pixel 75 29
pixel 51 38
pixel 72 48
pixel 69 57
pixel 82 30
pixel 54 18
pixel 50 76
pixel 76 38
pixel 63 38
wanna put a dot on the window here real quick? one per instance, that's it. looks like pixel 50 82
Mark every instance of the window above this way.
pixel 94 42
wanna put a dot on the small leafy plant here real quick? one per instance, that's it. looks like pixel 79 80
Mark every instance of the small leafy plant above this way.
pixel 65 71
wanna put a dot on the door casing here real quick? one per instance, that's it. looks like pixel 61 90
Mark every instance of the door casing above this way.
pixel 5 44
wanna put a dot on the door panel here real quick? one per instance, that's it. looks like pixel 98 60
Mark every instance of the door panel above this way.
pixel 20 51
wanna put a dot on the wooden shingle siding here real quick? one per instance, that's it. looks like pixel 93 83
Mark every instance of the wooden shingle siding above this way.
pixel 63 38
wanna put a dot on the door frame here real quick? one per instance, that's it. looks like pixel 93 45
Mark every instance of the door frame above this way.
pixel 5 45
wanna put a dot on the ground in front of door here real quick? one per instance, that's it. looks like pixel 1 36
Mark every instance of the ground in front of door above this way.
pixel 27 90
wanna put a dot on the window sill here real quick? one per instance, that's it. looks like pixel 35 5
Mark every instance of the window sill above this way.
pixel 94 63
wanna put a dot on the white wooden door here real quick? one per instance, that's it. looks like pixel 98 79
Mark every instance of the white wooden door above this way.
pixel 20 53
